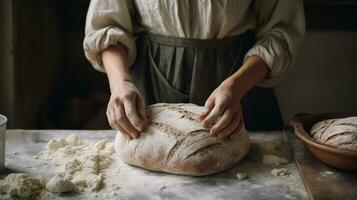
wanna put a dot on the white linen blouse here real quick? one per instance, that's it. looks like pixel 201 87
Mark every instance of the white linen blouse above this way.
pixel 279 24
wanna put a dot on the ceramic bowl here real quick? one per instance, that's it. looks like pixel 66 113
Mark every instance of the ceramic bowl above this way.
pixel 338 158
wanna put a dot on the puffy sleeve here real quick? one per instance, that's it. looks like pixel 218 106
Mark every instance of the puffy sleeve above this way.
pixel 280 29
pixel 108 23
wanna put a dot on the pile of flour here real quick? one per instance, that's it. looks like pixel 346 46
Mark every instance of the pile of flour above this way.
pixel 80 161
pixel 22 185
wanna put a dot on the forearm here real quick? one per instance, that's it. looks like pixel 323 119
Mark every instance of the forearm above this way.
pixel 115 62
pixel 252 72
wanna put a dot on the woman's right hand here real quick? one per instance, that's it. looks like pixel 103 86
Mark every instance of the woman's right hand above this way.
pixel 126 110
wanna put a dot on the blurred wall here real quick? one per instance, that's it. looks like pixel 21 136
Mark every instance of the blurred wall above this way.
pixel 36 59
pixel 7 81
pixel 45 80
pixel 324 78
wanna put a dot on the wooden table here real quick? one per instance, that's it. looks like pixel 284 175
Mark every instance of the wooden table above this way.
pixel 321 181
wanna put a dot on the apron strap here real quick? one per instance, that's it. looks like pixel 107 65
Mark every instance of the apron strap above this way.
pixel 199 43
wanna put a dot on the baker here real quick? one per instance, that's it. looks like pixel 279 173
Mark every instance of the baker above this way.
pixel 222 54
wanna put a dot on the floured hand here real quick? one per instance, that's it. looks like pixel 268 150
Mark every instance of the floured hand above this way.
pixel 126 111
pixel 223 112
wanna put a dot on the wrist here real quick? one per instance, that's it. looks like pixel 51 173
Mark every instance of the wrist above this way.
pixel 253 71
pixel 119 84
pixel 236 85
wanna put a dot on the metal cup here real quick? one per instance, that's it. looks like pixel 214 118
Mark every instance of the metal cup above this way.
pixel 3 121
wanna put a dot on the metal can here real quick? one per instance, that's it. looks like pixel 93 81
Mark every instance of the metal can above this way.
pixel 3 121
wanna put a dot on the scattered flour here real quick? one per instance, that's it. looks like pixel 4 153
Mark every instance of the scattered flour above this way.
pixel 327 173
pixel 280 172
pixel 82 161
pixel 242 176
pixel 74 159
pixel 269 159
pixel 81 164
pixel 269 148
pixel 22 185
pixel 59 184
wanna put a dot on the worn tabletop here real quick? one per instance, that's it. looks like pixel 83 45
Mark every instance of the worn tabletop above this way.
pixel 136 183
pixel 323 182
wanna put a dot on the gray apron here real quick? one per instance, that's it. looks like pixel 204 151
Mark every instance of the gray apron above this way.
pixel 180 70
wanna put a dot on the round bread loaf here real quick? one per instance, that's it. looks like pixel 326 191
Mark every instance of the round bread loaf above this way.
pixel 176 142
pixel 339 133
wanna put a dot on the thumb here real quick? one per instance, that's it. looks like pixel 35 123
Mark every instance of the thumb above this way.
pixel 140 107
pixel 132 113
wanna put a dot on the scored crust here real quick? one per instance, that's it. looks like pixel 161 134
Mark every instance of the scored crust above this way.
pixel 339 133
pixel 176 142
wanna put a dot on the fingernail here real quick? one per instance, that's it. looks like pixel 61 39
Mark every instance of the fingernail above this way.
pixel 207 125
pixel 213 131
pixel 140 127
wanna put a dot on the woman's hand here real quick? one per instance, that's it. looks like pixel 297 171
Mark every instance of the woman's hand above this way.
pixel 126 111
pixel 223 112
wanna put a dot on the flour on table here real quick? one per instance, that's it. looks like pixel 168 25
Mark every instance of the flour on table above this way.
pixel 22 185
pixel 280 172
pixel 269 159
pixel 242 176
pixel 82 162
pixel 60 184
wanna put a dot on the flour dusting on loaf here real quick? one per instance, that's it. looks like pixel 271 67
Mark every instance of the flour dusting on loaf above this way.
pixel 340 133
pixel 176 142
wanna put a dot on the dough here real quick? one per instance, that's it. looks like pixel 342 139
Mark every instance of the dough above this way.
pixel 21 185
pixel 242 176
pixel 269 159
pixel 280 172
pixel 59 184
pixel 339 133
pixel 176 142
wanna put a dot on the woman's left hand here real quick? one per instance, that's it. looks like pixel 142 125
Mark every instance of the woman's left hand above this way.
pixel 223 111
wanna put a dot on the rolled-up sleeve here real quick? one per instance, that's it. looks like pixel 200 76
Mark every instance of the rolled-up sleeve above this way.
pixel 108 23
pixel 280 29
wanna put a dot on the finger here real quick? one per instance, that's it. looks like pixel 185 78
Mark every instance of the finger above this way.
pixel 132 113
pixel 230 128
pixel 208 107
pixel 111 118
pixel 124 122
pixel 122 131
pixel 222 122
pixel 238 129
pixel 216 112
pixel 240 126
pixel 240 123
pixel 140 106
pixel 115 125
